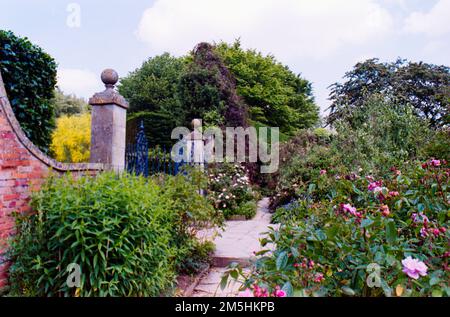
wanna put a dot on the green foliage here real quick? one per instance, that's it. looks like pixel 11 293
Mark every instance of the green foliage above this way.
pixel 128 234
pixel 438 145
pixel 379 136
pixel 230 191
pixel 151 91
pixel 30 78
pixel 157 126
pixel 424 86
pixel 275 95
pixel 153 86
pixel 207 86
pixel 328 240
pixel 68 104
pixel 218 83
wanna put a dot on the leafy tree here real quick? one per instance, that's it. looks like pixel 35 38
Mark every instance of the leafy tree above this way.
pixel 30 78
pixel 207 87
pixel 151 92
pixel 68 104
pixel 275 95
pixel 153 87
pixel 424 86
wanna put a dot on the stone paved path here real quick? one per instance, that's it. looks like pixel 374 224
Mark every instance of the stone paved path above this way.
pixel 237 243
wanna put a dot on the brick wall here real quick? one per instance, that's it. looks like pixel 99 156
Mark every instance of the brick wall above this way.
pixel 23 168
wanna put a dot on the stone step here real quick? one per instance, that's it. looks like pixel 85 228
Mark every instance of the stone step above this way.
pixel 223 261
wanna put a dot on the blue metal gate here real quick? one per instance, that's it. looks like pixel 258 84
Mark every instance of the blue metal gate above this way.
pixel 141 160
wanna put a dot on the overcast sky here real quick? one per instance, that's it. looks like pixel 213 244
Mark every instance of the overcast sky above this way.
pixel 321 39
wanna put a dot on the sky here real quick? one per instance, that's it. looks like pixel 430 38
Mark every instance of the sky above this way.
pixel 319 39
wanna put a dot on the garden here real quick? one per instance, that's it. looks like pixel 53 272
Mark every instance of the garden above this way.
pixel 361 199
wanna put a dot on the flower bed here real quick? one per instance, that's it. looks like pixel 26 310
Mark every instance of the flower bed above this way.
pixel 351 235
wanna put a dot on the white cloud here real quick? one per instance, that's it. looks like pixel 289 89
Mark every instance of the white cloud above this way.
pixel 287 28
pixel 432 23
pixel 83 83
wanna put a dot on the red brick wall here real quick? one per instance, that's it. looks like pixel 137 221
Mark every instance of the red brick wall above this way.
pixel 23 168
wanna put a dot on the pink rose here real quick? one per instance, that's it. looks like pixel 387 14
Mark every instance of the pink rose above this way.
pixel 435 163
pixel 414 268
pixel 349 208
pixel 318 278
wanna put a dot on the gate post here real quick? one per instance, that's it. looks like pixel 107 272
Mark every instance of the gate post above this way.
pixel 109 113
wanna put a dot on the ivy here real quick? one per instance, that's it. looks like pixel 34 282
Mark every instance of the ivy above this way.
pixel 30 78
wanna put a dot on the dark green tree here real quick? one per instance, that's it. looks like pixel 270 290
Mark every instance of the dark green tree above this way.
pixel 153 86
pixel 425 87
pixel 151 92
pixel 274 94
pixel 30 78
pixel 207 89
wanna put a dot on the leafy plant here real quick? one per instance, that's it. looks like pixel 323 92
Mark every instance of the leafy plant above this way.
pixel 30 78
pixel 128 234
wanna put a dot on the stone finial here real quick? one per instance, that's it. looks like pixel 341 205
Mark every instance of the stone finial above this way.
pixel 109 95
pixel 196 123
pixel 109 77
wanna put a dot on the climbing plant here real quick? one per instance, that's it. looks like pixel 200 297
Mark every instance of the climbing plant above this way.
pixel 29 75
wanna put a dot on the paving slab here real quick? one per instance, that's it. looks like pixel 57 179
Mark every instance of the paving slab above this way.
pixel 238 242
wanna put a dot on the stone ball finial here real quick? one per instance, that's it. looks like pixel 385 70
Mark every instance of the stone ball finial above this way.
pixel 196 123
pixel 109 77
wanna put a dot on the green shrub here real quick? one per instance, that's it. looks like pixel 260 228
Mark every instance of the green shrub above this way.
pixel 128 234
pixel 30 78
pixel 438 145
pixel 247 209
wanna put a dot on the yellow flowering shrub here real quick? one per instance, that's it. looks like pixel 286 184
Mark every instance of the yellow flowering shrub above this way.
pixel 71 139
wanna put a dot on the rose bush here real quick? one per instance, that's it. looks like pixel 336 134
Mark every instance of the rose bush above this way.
pixel 351 235
pixel 230 191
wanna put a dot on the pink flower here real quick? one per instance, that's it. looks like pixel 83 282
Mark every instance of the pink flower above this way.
pixel 260 292
pixel 393 194
pixel 318 278
pixel 442 229
pixel 247 293
pixel 435 163
pixel 385 210
pixel 349 208
pixel 311 263
pixel 375 185
pixel 279 292
pixel 423 232
pixel 414 268
pixel 323 172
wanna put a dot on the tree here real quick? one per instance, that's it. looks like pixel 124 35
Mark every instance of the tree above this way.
pixel 424 86
pixel 153 87
pixel 207 88
pixel 68 104
pixel 274 94
pixel 30 78
pixel 152 94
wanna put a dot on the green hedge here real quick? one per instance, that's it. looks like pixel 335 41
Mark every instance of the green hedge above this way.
pixel 30 78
